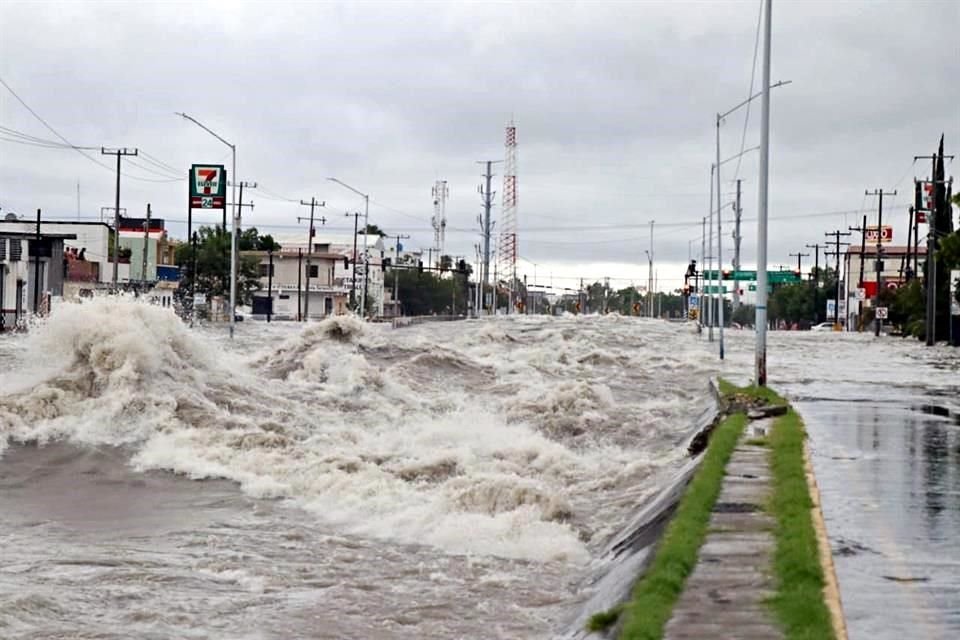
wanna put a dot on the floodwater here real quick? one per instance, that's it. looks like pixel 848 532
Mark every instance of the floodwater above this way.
pixel 883 417
pixel 449 480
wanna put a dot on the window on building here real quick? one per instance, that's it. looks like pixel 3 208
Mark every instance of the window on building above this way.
pixel 266 270
pixel 314 271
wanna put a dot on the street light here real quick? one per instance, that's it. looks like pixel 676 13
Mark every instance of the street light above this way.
pixel 233 235
pixel 366 226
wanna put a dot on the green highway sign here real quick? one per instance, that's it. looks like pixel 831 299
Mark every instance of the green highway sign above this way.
pixel 753 287
pixel 714 289
pixel 776 277
pixel 782 277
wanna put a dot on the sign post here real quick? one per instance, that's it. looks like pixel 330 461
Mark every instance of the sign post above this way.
pixel 207 189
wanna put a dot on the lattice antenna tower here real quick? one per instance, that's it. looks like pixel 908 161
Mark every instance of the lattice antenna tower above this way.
pixel 507 246
pixel 439 220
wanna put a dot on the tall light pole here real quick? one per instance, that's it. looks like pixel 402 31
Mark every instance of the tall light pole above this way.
pixel 760 355
pixel 366 257
pixel 236 221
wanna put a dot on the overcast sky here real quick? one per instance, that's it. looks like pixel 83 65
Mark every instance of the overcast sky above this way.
pixel 614 105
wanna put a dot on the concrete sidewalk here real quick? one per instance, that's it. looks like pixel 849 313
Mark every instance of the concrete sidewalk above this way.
pixel 725 595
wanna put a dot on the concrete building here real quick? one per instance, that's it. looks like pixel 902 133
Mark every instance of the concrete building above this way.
pixel 342 246
pixel 31 274
pixel 894 274
pixel 160 249
pixel 92 238
pixel 326 295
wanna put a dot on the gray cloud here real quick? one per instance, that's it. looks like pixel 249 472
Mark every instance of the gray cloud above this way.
pixel 614 104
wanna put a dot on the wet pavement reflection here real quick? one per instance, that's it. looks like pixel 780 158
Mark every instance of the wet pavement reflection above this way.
pixel 890 480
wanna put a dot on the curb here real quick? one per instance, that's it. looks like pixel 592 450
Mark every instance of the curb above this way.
pixel 831 590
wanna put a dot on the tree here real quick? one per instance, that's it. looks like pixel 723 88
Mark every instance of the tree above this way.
pixel 373 230
pixel 213 272
pixel 427 294
pixel 251 240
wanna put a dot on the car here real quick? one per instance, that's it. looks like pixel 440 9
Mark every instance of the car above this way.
pixel 823 326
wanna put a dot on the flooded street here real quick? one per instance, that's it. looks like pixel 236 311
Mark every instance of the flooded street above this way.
pixel 452 480
pixel 883 418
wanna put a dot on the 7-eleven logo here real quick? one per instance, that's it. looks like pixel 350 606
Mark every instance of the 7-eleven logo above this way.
pixel 207 180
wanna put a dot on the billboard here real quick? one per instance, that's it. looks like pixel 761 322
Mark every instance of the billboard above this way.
pixel 208 186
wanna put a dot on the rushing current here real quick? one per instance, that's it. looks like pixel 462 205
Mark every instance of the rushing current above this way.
pixel 330 480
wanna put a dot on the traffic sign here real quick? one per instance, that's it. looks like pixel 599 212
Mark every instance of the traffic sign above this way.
pixel 861 294
pixel 882 313
pixel 783 277
pixel 714 289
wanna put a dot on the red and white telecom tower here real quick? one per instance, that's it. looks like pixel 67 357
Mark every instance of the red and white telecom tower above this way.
pixel 439 221
pixel 507 246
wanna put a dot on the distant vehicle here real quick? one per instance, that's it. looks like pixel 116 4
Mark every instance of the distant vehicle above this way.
pixel 823 326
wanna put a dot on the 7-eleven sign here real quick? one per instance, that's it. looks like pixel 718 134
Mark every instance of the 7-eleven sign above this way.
pixel 208 186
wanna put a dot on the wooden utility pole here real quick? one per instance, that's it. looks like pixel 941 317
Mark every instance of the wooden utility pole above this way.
pixel 146 248
pixel 879 262
pixel 396 274
pixel 815 278
pixel 836 241
pixel 116 208
pixel 311 232
pixel 863 260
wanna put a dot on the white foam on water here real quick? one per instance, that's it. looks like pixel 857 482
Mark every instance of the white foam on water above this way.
pixel 492 438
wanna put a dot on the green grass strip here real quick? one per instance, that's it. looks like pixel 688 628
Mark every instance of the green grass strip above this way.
pixel 654 596
pixel 799 602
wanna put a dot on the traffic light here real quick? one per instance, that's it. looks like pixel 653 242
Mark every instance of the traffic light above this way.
pixel 576 305
pixel 419 266
pixel 636 308
pixel 727 274
pixel 346 262
pixel 384 264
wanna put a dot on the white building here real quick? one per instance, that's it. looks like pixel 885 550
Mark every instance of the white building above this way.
pixel 93 238
pixel 299 284
pixel 896 268
pixel 343 246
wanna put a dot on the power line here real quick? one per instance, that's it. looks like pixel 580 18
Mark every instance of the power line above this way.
pixel 753 74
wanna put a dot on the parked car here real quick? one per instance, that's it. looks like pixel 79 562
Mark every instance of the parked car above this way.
pixel 823 326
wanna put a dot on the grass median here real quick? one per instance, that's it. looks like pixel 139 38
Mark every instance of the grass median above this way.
pixel 654 596
pixel 799 602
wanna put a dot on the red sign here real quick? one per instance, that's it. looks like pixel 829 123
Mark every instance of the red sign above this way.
pixel 921 217
pixel 886 234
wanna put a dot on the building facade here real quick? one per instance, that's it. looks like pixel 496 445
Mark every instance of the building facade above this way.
pixel 898 264
pixel 294 295
pixel 32 270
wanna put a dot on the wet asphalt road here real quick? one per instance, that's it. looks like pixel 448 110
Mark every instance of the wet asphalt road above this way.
pixel 889 474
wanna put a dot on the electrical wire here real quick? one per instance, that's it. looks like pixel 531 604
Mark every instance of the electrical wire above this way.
pixel 753 75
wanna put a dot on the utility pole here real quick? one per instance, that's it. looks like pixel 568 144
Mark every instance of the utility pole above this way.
pixel 799 256
pixel 650 286
pixel 270 283
pixel 300 314
pixel 736 247
pixel 702 289
pixel 879 262
pixel 353 260
pixel 932 245
pixel 235 241
pixel 116 207
pixel 396 273
pixel 862 229
pixel 146 247
pixel 710 308
pixel 311 232
pixel 815 277
pixel 487 193
pixel 836 240
pixel 36 269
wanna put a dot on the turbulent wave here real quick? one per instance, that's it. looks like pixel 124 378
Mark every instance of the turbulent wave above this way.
pixel 497 437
